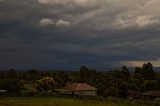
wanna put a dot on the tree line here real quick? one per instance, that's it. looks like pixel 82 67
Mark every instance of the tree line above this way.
pixel 115 82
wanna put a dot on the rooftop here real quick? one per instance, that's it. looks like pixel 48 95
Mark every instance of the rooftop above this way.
pixel 79 87
pixel 151 93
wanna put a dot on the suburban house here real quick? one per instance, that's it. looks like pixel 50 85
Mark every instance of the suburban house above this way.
pixel 151 95
pixel 78 89
pixel 134 94
pixel 144 95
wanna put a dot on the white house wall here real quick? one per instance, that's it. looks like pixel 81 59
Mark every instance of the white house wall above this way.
pixel 89 93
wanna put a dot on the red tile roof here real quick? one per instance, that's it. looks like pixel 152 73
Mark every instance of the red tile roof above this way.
pixel 133 92
pixel 79 87
pixel 152 93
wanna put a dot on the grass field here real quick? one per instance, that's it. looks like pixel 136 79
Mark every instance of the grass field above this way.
pixel 50 101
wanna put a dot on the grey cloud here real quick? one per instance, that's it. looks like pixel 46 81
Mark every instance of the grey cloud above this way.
pixel 45 22
pixel 92 32
pixel 82 3
pixel 62 23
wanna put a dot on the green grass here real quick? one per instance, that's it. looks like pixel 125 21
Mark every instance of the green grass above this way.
pixel 50 101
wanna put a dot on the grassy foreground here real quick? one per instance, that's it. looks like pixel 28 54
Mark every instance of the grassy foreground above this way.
pixel 50 101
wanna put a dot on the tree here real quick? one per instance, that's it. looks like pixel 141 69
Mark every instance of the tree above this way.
pixel 125 71
pixel 45 84
pixel 138 70
pixel 83 73
pixel 61 79
pixel 11 85
pixel 32 74
pixel 138 81
pixel 148 71
pixel 122 89
pixel 86 75
pixel 148 67
pixel 149 85
pixel 111 92
pixel 32 71
pixel 157 81
pixel 11 73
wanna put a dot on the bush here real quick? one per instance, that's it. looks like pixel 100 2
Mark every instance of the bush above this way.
pixel 11 85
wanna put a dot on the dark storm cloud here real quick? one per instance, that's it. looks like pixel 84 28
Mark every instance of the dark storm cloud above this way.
pixel 70 33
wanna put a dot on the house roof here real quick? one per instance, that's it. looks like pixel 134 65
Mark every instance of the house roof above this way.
pixel 133 92
pixel 79 87
pixel 151 93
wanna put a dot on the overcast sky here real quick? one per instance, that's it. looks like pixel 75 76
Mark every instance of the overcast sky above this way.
pixel 65 34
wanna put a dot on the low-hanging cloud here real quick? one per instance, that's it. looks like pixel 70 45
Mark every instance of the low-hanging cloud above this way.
pixel 62 23
pixel 46 22
pixel 139 21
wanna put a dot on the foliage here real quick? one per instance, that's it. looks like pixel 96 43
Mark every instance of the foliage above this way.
pixel 61 79
pixel 86 75
pixel 11 85
pixel 45 84
pixel 113 83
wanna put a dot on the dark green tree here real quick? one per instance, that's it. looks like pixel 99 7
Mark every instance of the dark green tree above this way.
pixel 138 70
pixel 11 73
pixel 122 89
pixel 61 79
pixel 148 71
pixel 125 71
pixel 149 85
pixel 87 75
pixel 11 85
